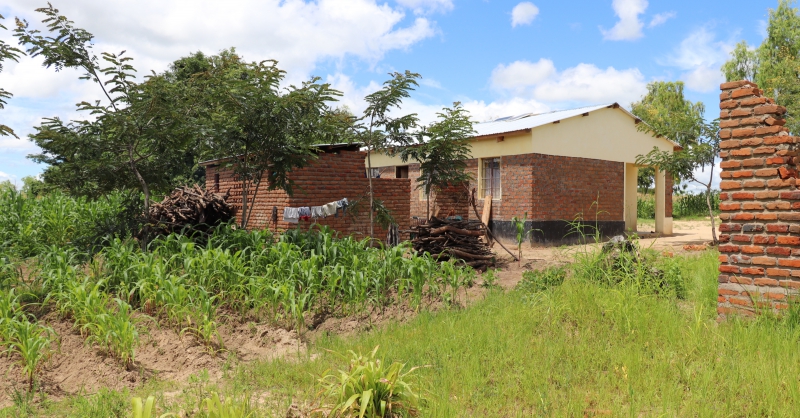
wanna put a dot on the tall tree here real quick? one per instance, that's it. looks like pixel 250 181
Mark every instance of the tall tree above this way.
pixel 133 138
pixel 7 52
pixel 379 131
pixel 666 112
pixel 442 150
pixel 743 64
pixel 775 64
pixel 268 131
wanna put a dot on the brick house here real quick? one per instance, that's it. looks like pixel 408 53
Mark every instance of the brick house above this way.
pixel 562 166
pixel 337 173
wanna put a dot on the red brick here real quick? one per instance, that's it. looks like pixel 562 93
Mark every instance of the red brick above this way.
pixel 766 216
pixel 768 109
pixel 729 269
pixel 752 206
pixel 777 160
pixel 741 238
pixel 743 195
pixel 789 240
pixel 790 284
pixel 730 85
pixel 744 280
pixel 776 272
pixel 726 185
pixel 738 113
pixel 743 132
pixel 764 261
pixel 776 140
pixel 730 164
pixel 789 216
pixel 764 172
pixel 753 162
pixel 755 271
pixel 742 152
pixel 729 248
pixel 764 150
pixel 765 130
pixel 730 227
pixel 777 228
pixel 763 239
pixel 763 281
pixel 769 194
pixel 790 195
pixel 729 206
pixel 785 262
pixel 752 249
pixel 752 101
pixel 743 92
pixel 778 250
pixel 742 173
pixel 786 173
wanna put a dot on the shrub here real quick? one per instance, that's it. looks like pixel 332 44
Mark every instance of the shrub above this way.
pixel 536 281
pixel 370 388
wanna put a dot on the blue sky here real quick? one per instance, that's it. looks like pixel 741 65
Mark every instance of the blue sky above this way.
pixel 497 57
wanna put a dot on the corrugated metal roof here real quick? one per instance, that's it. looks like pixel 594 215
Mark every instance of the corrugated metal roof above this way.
pixel 531 120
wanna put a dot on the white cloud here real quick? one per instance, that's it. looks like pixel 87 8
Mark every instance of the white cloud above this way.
pixel 482 111
pixel 582 84
pixel 629 27
pixel 661 18
pixel 427 6
pixel 522 74
pixel 6 176
pixel 700 55
pixel 430 82
pixel 299 34
pixel 523 14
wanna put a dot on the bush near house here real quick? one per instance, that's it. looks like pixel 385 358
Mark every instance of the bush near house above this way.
pixel 684 205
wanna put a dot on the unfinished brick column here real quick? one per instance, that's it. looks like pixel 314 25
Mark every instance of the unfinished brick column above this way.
pixel 760 228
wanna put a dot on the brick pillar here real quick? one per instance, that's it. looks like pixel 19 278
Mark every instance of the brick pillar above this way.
pixel 760 228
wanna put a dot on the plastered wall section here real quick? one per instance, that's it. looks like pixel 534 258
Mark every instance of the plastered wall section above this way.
pixel 331 177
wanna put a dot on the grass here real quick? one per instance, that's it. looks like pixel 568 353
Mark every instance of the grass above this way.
pixel 580 349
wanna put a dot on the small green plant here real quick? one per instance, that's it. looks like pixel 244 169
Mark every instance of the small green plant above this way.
pixel 371 389
pixel 489 279
pixel 215 408
pixel 519 224
pixel 536 281
pixel 32 343
pixel 146 408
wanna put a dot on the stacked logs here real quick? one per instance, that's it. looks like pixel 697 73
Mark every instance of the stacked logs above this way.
pixel 454 239
pixel 189 208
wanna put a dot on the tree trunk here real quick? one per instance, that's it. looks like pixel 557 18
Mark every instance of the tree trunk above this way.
pixel 369 177
pixel 145 190
pixel 711 214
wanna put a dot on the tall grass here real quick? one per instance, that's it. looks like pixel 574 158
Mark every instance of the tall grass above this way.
pixel 30 224
pixel 685 205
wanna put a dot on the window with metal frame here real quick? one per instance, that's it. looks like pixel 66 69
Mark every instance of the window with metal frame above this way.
pixel 490 178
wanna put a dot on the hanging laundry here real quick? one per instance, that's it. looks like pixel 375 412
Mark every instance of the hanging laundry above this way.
pixel 291 215
pixel 317 212
pixel 341 204
pixel 305 213
pixel 329 209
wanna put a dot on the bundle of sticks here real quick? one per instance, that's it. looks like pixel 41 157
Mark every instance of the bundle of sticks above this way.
pixel 189 208
pixel 454 239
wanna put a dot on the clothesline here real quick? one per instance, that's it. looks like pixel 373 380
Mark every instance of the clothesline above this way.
pixel 294 215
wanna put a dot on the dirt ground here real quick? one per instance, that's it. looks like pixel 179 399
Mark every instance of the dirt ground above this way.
pixel 687 236
pixel 77 367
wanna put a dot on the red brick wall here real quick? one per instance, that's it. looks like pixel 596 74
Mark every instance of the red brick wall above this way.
pixel 451 200
pixel 548 187
pixel 760 229
pixel 668 183
pixel 331 177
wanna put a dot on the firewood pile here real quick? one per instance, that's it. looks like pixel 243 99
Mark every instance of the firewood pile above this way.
pixel 453 239
pixel 189 208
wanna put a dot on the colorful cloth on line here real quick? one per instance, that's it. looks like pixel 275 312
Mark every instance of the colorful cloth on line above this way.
pixel 291 215
pixel 305 213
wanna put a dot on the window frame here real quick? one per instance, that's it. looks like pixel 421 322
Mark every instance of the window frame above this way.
pixel 482 178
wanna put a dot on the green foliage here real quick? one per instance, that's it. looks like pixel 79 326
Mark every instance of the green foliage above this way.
pixel 215 408
pixel 378 130
pixel 743 64
pixel 666 112
pixel 30 224
pixel 442 150
pixel 139 137
pixel 7 52
pixel 536 281
pixel 370 388
pixel 264 126
pixel 684 205
pixel 146 408
pixel 775 63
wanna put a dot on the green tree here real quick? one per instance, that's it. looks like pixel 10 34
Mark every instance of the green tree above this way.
pixel 743 64
pixel 699 155
pixel 136 138
pixel 379 131
pixel 442 150
pixel 7 52
pixel 266 130
pixel 666 112
pixel 775 64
